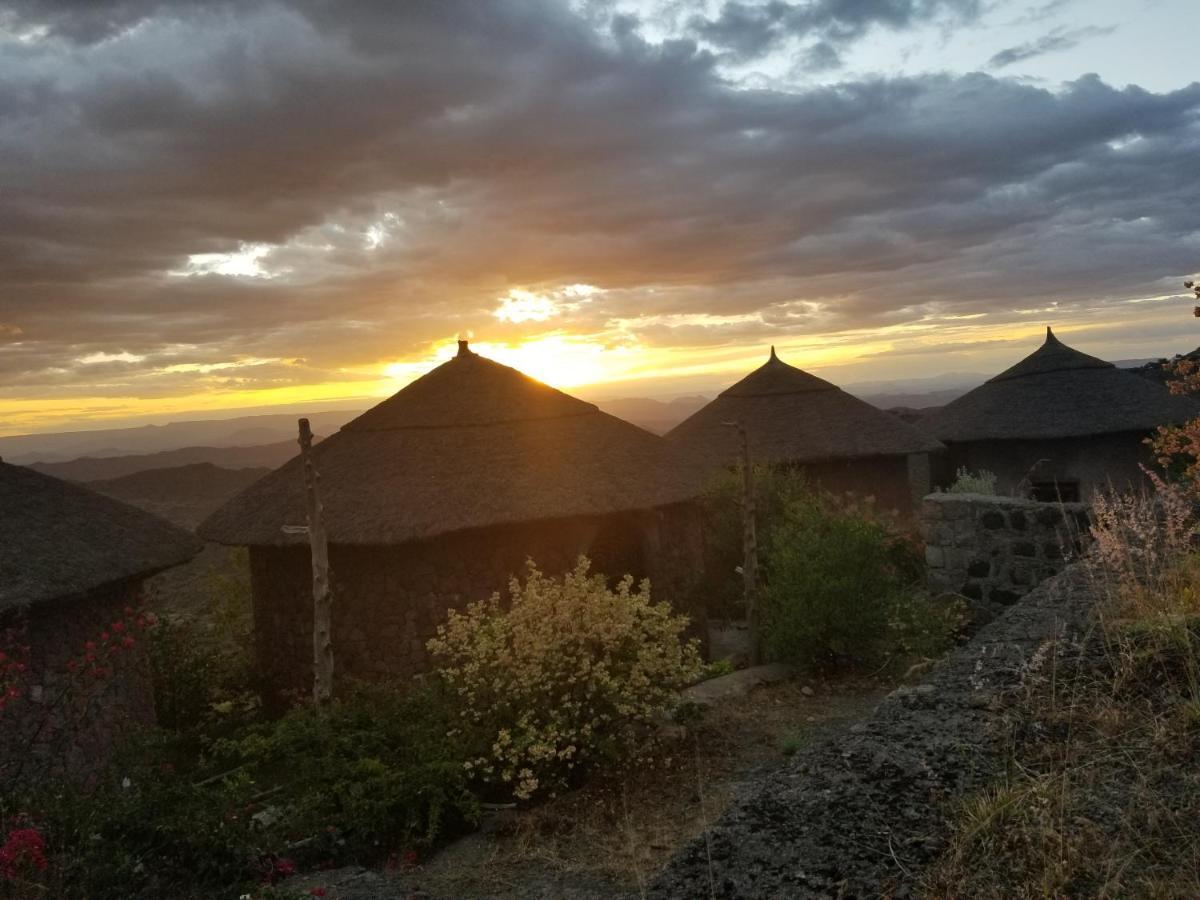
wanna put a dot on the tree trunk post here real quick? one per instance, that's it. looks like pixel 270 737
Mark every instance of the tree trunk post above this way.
pixel 749 547
pixel 322 595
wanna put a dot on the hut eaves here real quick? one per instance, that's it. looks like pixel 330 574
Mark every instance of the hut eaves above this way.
pixel 60 540
pixel 470 444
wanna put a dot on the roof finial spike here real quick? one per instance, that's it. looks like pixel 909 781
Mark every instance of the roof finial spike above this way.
pixel 1050 334
pixel 463 349
pixel 773 356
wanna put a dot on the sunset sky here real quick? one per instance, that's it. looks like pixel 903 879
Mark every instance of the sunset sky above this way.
pixel 224 204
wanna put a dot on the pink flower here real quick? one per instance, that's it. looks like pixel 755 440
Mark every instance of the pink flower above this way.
pixel 317 892
pixel 118 627
pixel 127 642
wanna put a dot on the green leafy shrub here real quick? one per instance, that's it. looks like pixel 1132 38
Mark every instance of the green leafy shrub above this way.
pixel 835 577
pixel 722 505
pixel 563 678
pixel 368 774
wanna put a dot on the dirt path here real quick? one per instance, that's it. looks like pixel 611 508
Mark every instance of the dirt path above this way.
pixel 613 836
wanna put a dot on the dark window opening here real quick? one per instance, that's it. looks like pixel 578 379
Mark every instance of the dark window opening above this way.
pixel 1055 491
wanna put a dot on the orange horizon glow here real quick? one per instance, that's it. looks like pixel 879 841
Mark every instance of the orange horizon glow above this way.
pixel 565 361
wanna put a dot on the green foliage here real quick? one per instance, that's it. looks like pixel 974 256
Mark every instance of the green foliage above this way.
pixel 370 773
pixel 722 502
pixel 920 625
pixel 835 578
pixel 145 829
pixel 967 482
pixel 566 676
pixel 202 667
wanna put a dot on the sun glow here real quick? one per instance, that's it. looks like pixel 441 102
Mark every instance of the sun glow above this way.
pixel 556 360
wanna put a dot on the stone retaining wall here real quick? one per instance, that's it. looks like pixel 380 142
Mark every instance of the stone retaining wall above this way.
pixel 994 550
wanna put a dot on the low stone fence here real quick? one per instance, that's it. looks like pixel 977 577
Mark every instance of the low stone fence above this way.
pixel 994 550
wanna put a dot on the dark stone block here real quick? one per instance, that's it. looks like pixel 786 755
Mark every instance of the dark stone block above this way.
pixel 999 595
pixel 1024 548
pixel 980 568
pixel 1016 520
pixel 972 591
pixel 1049 515
pixel 992 519
pixel 1052 550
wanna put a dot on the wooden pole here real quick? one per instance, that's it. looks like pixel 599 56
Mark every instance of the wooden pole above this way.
pixel 322 595
pixel 749 547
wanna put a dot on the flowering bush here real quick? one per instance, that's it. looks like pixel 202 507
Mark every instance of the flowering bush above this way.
pixel 43 712
pixel 1136 536
pixel 1177 447
pixel 563 677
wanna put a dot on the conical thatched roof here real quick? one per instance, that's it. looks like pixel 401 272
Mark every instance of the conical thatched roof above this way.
pixel 792 416
pixel 470 444
pixel 1058 392
pixel 58 539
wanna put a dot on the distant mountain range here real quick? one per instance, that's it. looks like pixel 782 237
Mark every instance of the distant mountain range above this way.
pixel 111 468
pixel 240 431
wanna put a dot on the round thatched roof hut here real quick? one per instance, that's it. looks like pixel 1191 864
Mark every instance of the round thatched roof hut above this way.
pixel 471 444
pixel 1059 425
pixel 59 540
pixel 792 416
pixel 437 497
pixel 1059 392
pixel 71 562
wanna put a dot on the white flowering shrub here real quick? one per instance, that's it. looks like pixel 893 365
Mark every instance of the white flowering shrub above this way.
pixel 562 677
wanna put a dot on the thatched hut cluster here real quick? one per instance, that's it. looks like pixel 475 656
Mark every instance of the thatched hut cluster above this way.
pixel 71 561
pixel 437 496
pixel 795 419
pixel 1058 425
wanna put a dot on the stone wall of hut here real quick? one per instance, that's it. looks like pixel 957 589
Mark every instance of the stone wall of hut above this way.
pixel 1092 462
pixel 389 600
pixel 67 718
pixel 994 550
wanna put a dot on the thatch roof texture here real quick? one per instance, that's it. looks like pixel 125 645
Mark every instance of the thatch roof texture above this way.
pixel 470 444
pixel 792 416
pixel 1059 392
pixel 59 540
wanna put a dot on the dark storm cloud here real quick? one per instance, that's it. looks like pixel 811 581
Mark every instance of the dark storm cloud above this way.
pixel 403 166
pixel 750 30
pixel 1057 40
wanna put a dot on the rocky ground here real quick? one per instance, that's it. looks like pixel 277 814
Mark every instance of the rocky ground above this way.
pixel 861 815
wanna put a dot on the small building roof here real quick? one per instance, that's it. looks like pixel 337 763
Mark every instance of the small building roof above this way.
pixel 60 540
pixel 470 444
pixel 1059 392
pixel 793 416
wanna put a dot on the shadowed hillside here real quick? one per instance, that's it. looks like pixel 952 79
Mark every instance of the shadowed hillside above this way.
pixel 262 456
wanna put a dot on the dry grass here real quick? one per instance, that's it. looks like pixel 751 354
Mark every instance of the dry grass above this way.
pixel 1102 796
pixel 616 832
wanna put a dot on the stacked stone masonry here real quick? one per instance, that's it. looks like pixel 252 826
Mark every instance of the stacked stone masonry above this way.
pixel 994 550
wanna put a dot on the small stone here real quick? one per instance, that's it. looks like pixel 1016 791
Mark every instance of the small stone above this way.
pixel 806 691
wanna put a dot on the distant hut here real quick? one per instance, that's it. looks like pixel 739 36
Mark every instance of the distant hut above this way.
pixel 1059 423
pixel 437 496
pixel 795 419
pixel 71 561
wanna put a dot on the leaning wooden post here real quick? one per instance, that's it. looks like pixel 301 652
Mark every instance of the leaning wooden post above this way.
pixel 322 596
